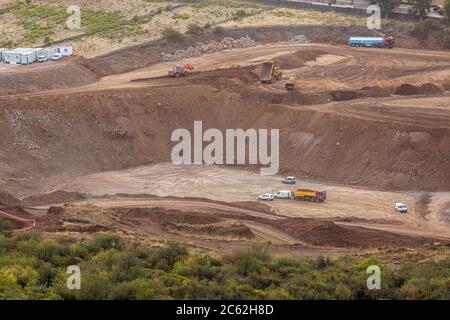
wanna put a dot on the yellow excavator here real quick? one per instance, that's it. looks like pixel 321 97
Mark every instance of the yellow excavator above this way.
pixel 270 73
pixel 181 71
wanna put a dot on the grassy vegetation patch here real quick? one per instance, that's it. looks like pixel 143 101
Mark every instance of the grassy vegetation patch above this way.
pixel 35 268
pixel 198 4
pixel 240 14
pixel 180 16
pixel 172 35
pixel 41 20
pixel 38 21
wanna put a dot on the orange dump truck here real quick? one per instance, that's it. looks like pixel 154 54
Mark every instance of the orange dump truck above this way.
pixel 310 195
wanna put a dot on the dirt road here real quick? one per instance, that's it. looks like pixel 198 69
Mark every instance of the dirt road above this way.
pixel 340 67
pixel 31 223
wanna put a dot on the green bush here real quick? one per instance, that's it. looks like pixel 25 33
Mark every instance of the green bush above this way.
pixel 194 28
pixel 110 269
pixel 219 29
pixel 198 4
pixel 387 6
pixel 420 8
pixel 105 241
pixel 172 35
pixel 421 29
pixel 240 14
pixel 180 16
pixel 6 226
pixel 446 10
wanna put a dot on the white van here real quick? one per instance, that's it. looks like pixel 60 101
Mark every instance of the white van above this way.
pixel 289 180
pixel 283 195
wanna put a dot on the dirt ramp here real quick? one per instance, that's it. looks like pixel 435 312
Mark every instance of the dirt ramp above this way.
pixel 54 197
pixel 8 200
pixel 163 216
pixel 343 95
pixel 327 233
pixel 430 88
pixel 42 78
pixel 297 59
pixel 406 90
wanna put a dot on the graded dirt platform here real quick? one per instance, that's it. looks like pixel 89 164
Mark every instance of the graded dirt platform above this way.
pixel 369 126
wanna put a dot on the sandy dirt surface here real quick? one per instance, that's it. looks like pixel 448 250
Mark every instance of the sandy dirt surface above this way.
pixel 231 185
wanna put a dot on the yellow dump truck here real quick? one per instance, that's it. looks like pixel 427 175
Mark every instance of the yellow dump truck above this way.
pixel 309 195
pixel 270 73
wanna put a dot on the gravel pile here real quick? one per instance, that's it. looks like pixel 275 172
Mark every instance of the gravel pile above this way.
pixel 299 39
pixel 201 48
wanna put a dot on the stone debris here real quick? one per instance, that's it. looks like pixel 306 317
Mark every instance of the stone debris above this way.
pixel 201 48
pixel 299 39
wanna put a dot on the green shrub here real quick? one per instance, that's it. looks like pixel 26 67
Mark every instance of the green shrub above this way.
pixel 194 28
pixel 34 269
pixel 6 226
pixel 172 35
pixel 420 8
pixel 180 16
pixel 387 6
pixel 219 29
pixel 421 29
pixel 196 4
pixel 105 241
pixel 446 10
pixel 240 14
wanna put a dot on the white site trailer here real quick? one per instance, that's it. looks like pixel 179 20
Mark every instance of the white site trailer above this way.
pixel 50 51
pixel 65 51
pixel 1 53
pixel 22 55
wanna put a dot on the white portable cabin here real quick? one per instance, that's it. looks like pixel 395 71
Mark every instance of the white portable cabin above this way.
pixel 65 51
pixel 21 55
pixel 1 53
pixel 50 51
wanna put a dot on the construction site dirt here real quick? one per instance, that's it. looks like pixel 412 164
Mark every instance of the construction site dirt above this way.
pixel 369 126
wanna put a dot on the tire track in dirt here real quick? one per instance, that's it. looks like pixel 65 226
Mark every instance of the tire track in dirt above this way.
pixel 272 234
pixel 28 221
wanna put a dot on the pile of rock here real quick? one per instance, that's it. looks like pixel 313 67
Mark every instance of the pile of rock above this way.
pixel 201 48
pixel 299 39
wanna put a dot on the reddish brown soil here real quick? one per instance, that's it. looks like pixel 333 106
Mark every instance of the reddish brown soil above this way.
pixel 8 200
pixel 339 125
pixel 164 216
pixel 358 143
pixel 38 78
pixel 406 90
pixel 328 233
pixel 52 198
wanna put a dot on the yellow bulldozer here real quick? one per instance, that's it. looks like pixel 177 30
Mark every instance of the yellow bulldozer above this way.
pixel 270 73
pixel 290 84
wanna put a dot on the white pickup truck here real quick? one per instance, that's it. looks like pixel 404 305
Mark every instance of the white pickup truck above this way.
pixel 400 207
